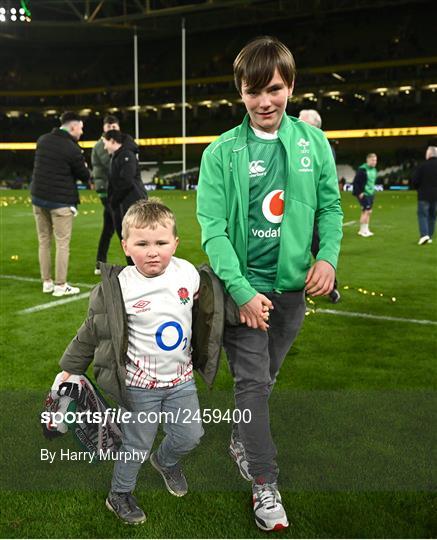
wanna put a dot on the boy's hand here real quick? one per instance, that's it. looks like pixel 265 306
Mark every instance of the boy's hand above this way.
pixel 255 313
pixel 65 376
pixel 320 279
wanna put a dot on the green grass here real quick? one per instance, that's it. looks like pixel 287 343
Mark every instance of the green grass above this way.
pixel 353 413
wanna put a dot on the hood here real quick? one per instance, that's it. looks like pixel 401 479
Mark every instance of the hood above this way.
pixel 130 144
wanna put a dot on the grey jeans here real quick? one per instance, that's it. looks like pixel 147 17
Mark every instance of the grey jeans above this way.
pixel 182 429
pixel 255 358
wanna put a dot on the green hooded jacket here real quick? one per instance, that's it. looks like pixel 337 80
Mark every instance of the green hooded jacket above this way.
pixel 100 160
pixel 311 196
pixel 372 173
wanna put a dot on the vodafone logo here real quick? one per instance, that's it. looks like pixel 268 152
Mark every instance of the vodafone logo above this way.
pixel 273 206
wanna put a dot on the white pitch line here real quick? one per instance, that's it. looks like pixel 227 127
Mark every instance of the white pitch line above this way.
pixel 49 305
pixel 349 223
pixel 36 280
pixel 377 317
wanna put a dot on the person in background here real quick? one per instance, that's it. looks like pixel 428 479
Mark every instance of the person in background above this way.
pixel 100 160
pixel 313 118
pixel 425 181
pixel 125 186
pixel 364 190
pixel 58 164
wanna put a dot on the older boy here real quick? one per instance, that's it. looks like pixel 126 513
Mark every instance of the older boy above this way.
pixel 138 331
pixel 262 185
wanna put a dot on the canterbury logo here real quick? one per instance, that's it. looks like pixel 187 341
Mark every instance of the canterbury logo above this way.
pixel 256 168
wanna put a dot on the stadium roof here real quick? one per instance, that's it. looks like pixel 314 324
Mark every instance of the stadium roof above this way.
pixel 114 20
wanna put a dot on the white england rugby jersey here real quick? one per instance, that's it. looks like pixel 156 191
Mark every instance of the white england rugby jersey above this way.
pixel 159 315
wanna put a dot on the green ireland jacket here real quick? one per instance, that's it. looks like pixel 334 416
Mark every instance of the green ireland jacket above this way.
pixel 311 196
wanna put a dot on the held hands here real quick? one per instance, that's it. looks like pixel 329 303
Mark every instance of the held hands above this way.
pixel 65 376
pixel 255 313
pixel 320 279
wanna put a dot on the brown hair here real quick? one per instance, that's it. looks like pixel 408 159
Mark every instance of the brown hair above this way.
pixel 257 61
pixel 147 213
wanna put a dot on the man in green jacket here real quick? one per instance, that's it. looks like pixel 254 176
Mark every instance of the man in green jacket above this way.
pixel 262 186
pixel 364 190
pixel 100 160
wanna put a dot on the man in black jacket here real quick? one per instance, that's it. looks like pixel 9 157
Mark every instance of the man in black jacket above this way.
pixel 425 181
pixel 59 163
pixel 125 186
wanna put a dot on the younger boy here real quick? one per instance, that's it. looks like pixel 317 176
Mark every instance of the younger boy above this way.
pixel 138 331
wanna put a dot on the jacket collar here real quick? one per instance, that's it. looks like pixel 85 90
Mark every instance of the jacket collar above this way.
pixel 241 142
pixel 63 133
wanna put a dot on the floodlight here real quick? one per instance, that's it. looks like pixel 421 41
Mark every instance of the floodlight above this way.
pixel 21 11
pixel 2 18
pixel 13 11
pixel 13 18
pixel 2 10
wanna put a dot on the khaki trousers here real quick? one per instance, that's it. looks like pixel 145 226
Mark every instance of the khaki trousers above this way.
pixel 57 222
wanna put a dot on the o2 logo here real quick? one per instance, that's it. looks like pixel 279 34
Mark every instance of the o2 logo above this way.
pixel 169 336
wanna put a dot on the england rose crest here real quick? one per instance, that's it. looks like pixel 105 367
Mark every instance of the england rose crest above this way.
pixel 184 296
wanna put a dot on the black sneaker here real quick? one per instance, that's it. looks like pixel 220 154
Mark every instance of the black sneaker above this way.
pixel 334 296
pixel 174 478
pixel 125 507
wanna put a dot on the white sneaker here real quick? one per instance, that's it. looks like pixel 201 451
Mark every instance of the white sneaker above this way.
pixel 430 241
pixel 48 286
pixel 424 239
pixel 238 454
pixel 365 234
pixel 267 505
pixel 65 290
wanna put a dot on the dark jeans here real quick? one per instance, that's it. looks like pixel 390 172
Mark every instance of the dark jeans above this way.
pixel 426 213
pixel 255 358
pixel 107 232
